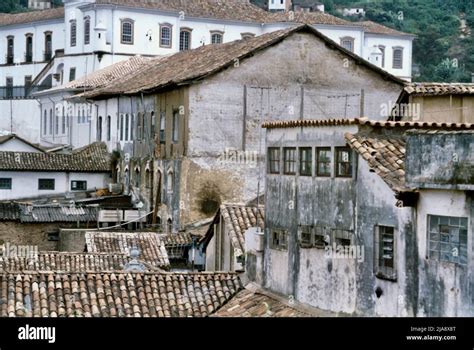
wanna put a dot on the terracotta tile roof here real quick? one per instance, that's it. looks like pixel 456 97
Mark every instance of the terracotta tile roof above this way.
pixel 175 239
pixel 188 66
pixel 57 213
pixel 439 89
pixel 281 124
pixel 103 76
pixel 237 220
pixel 248 304
pixel 112 294
pixel 31 16
pixel 9 211
pixel 68 262
pixel 385 156
pixel 233 10
pixel 151 246
pixel 306 18
pixel 376 28
pixel 92 158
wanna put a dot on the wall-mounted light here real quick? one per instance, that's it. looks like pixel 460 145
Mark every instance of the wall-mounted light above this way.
pixel 148 35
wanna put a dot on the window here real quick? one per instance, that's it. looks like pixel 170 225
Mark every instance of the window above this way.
pixel 99 129
pixel 137 177
pixel 382 50
pixel 348 43
pixel 29 48
pixel 289 160
pixel 127 124
pixel 50 121
pixel 343 162
pixel 184 39
pixel 152 125
pixel 5 183
pixel 121 127
pixel 148 178
pixel 48 48
pixel 320 237
pixel 63 123
pixel 246 36
pixel 78 185
pixel 397 58
pixel 169 187
pixel 73 33
pixel 72 74
pixel 45 122
pixel 447 237
pixel 165 35
pixel 273 160
pixel 132 125
pixel 10 49
pixel 305 234
pixel 162 127
pixel 342 237
pixel 217 37
pixel 28 80
pixel 323 162
pixel 384 251
pixel 45 184
pixel 56 124
pixel 87 30
pixel 279 240
pixel 306 161
pixel 175 126
pixel 9 86
pixel 313 237
pixel 139 126
pixel 109 126
pixel 126 36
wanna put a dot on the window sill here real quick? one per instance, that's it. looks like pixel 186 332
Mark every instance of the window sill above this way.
pixel 385 278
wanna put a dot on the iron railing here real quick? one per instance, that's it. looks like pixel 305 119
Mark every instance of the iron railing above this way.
pixel 20 92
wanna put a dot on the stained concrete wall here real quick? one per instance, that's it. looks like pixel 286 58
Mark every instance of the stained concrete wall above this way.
pixel 359 204
pixel 445 288
pixel 440 160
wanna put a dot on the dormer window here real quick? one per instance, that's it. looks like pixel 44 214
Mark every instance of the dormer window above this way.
pixel 217 37
pixel 87 30
pixel 166 31
pixel 246 36
pixel 348 43
pixel 126 35
pixel 73 33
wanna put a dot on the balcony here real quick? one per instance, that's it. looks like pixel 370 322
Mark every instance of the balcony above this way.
pixel 20 92
pixel 9 59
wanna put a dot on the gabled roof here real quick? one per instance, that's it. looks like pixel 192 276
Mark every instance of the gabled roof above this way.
pixel 188 66
pixel 248 304
pixel 376 28
pixel 92 158
pixel 282 124
pixel 31 16
pixel 385 156
pixel 438 89
pixel 238 218
pixel 68 262
pixel 115 294
pixel 57 213
pixel 150 245
pixel 6 138
pixel 233 10
pixel 102 77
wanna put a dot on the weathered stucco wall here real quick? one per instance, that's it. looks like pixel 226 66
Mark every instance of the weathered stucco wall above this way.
pixel 445 288
pixel 359 204
pixel 440 160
